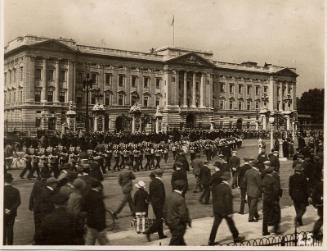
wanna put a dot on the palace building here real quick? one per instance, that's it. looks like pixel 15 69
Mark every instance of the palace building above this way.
pixel 174 88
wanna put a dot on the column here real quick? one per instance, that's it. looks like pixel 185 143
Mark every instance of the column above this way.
pixel 56 94
pixel 201 91
pixel 29 79
pixel 133 123
pixel 194 91
pixel 95 124
pixel 44 82
pixel 288 122
pixel 209 97
pixel 157 125
pixel 176 95
pixel 103 120
pixel 185 90
pixel 70 82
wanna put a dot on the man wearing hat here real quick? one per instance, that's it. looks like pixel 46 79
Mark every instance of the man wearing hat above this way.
pixel 177 214
pixel 197 164
pixel 253 182
pixel 60 227
pixel 274 161
pixel 205 177
pixel 11 202
pixel 298 191
pixel 45 204
pixel 222 202
pixel 179 174
pixel 141 205
pixel 234 163
pixel 246 166
pixel 271 194
pixel 157 197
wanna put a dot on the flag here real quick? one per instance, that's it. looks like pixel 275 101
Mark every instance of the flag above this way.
pixel 173 21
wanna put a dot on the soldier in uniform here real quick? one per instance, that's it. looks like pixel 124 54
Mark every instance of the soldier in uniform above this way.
pixel 116 158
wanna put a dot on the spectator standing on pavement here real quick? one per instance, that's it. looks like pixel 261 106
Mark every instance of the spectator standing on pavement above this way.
pixel 95 215
pixel 253 182
pixel 11 201
pixel 125 180
pixel 141 205
pixel 197 164
pixel 157 196
pixel 274 161
pixel 179 174
pixel 222 202
pixel 177 214
pixel 271 194
pixel 298 191
pixel 60 227
pixel 234 163
pixel 205 177
pixel 246 166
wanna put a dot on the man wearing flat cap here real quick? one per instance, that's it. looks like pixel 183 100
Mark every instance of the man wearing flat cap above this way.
pixel 246 166
pixel 299 193
pixel 157 197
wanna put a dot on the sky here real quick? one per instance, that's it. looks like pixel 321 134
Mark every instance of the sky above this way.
pixel 282 32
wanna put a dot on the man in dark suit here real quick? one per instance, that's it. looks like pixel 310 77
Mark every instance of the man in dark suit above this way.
pixel 60 227
pixel 197 164
pixel 11 201
pixel 157 196
pixel 222 202
pixel 179 174
pixel 299 192
pixel 125 180
pixel 274 161
pixel 205 177
pixel 177 214
pixel 45 204
pixel 234 163
pixel 252 182
pixel 246 166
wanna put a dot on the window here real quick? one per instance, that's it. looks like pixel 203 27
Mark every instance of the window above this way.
pixel 240 89
pixel 283 106
pixel 38 74
pixel 248 106
pixel 37 122
pixel 134 99
pixel 20 96
pixel 157 83
pixel 278 89
pixel 231 88
pixel 231 105
pixel 256 104
pixel 146 82
pixel 50 96
pixel 257 90
pixel 221 104
pixel 21 74
pixel 50 75
pixel 145 101
pixel 14 97
pixel 173 79
pixel 240 105
pixel 134 78
pixel 107 99
pixel 37 96
pixel 121 80
pixel 222 87
pixel 6 78
pixel 94 77
pixel 79 100
pixel 157 101
pixel 120 99
pixel 265 89
pixel 249 89
pixel 289 90
pixel 62 76
pixel 197 87
pixel 278 104
pixel 107 78
pixel 93 98
pixel 15 75
pixel 62 96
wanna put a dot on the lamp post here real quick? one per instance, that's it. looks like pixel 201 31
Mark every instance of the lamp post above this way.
pixel 271 121
pixel 87 84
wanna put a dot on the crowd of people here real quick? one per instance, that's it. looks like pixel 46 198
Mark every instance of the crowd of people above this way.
pixel 69 192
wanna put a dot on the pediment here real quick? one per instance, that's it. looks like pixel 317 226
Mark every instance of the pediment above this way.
pixel 191 59
pixel 53 45
pixel 286 72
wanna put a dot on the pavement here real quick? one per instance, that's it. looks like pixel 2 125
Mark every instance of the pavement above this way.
pixel 198 235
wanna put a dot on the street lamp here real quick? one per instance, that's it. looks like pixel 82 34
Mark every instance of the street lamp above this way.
pixel 271 121
pixel 87 84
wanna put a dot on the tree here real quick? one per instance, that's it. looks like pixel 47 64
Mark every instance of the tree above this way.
pixel 312 103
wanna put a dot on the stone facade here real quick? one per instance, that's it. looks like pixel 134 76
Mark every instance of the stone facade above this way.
pixel 43 76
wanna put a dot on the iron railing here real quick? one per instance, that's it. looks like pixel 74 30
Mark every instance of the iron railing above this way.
pixel 295 239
